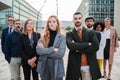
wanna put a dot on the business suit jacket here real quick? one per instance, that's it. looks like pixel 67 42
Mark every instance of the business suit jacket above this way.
pixel 77 47
pixel 98 35
pixel 4 34
pixel 25 50
pixel 60 43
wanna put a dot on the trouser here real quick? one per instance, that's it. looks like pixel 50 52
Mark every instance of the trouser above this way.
pixel 49 71
pixel 85 73
pixel 100 62
pixel 15 68
pixel 27 72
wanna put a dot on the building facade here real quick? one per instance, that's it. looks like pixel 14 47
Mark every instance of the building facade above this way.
pixel 4 4
pixel 20 10
pixel 117 16
pixel 99 9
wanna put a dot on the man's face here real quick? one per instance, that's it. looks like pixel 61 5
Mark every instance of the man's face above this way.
pixel 17 26
pixel 89 23
pixel 10 21
pixel 77 20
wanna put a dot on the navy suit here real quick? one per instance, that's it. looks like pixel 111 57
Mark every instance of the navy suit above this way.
pixel 5 32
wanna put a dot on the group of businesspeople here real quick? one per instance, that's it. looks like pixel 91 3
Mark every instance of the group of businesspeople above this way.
pixel 89 48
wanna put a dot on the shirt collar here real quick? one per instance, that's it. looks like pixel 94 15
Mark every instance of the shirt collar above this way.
pixel 90 28
pixel 78 28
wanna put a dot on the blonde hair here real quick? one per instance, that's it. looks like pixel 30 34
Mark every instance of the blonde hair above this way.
pixel 46 32
pixel 26 22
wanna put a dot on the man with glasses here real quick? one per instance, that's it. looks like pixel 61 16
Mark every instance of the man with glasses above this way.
pixel 11 51
pixel 7 31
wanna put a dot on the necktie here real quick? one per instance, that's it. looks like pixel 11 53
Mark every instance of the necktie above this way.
pixel 10 30
pixel 80 33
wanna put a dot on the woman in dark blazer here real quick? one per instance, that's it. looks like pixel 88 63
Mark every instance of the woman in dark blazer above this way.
pixel 27 50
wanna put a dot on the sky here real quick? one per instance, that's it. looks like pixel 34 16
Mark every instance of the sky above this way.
pixel 66 8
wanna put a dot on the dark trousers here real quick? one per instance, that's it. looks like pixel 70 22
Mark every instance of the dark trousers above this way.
pixel 27 72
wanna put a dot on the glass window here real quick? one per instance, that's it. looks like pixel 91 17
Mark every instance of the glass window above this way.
pixel 2 21
pixel 2 16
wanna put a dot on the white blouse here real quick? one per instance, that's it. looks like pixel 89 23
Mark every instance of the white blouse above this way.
pixel 100 52
pixel 107 33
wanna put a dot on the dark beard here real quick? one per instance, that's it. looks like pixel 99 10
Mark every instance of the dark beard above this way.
pixel 78 24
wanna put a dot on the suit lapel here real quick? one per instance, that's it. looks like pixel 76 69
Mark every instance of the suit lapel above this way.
pixel 84 34
pixel 75 35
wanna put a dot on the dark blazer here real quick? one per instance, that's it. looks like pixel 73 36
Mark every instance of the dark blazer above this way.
pixel 11 45
pixel 25 50
pixel 4 34
pixel 98 35
pixel 77 47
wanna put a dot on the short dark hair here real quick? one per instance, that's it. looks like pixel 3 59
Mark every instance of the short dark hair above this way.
pixel 76 13
pixel 99 23
pixel 89 18
pixel 16 20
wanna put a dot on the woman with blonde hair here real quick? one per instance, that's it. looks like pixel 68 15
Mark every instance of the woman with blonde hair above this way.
pixel 51 49
pixel 27 50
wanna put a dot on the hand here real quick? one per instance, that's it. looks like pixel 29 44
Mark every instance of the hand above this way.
pixel 41 45
pixel 33 59
pixel 31 63
pixel 55 49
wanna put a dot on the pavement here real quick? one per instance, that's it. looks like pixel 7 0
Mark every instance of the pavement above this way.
pixel 5 73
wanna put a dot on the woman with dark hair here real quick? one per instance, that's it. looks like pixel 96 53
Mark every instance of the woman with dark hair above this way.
pixel 51 48
pixel 27 49
pixel 99 27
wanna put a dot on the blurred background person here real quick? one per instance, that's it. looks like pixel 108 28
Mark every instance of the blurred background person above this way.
pixel 110 47
pixel 6 31
pixel 27 50
pixel 99 27
pixel 11 51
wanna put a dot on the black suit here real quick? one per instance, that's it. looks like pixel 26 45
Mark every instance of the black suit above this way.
pixel 4 34
pixel 77 47
pixel 27 52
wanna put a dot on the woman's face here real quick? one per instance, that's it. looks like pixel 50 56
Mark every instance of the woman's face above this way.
pixel 52 22
pixel 30 25
pixel 98 28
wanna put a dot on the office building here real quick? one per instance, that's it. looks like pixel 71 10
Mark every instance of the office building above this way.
pixel 20 9
pixel 99 9
pixel 4 4
pixel 117 16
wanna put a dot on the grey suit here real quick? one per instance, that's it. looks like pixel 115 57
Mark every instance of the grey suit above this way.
pixel 57 57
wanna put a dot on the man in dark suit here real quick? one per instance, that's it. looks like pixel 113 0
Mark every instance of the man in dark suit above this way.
pixel 83 44
pixel 6 31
